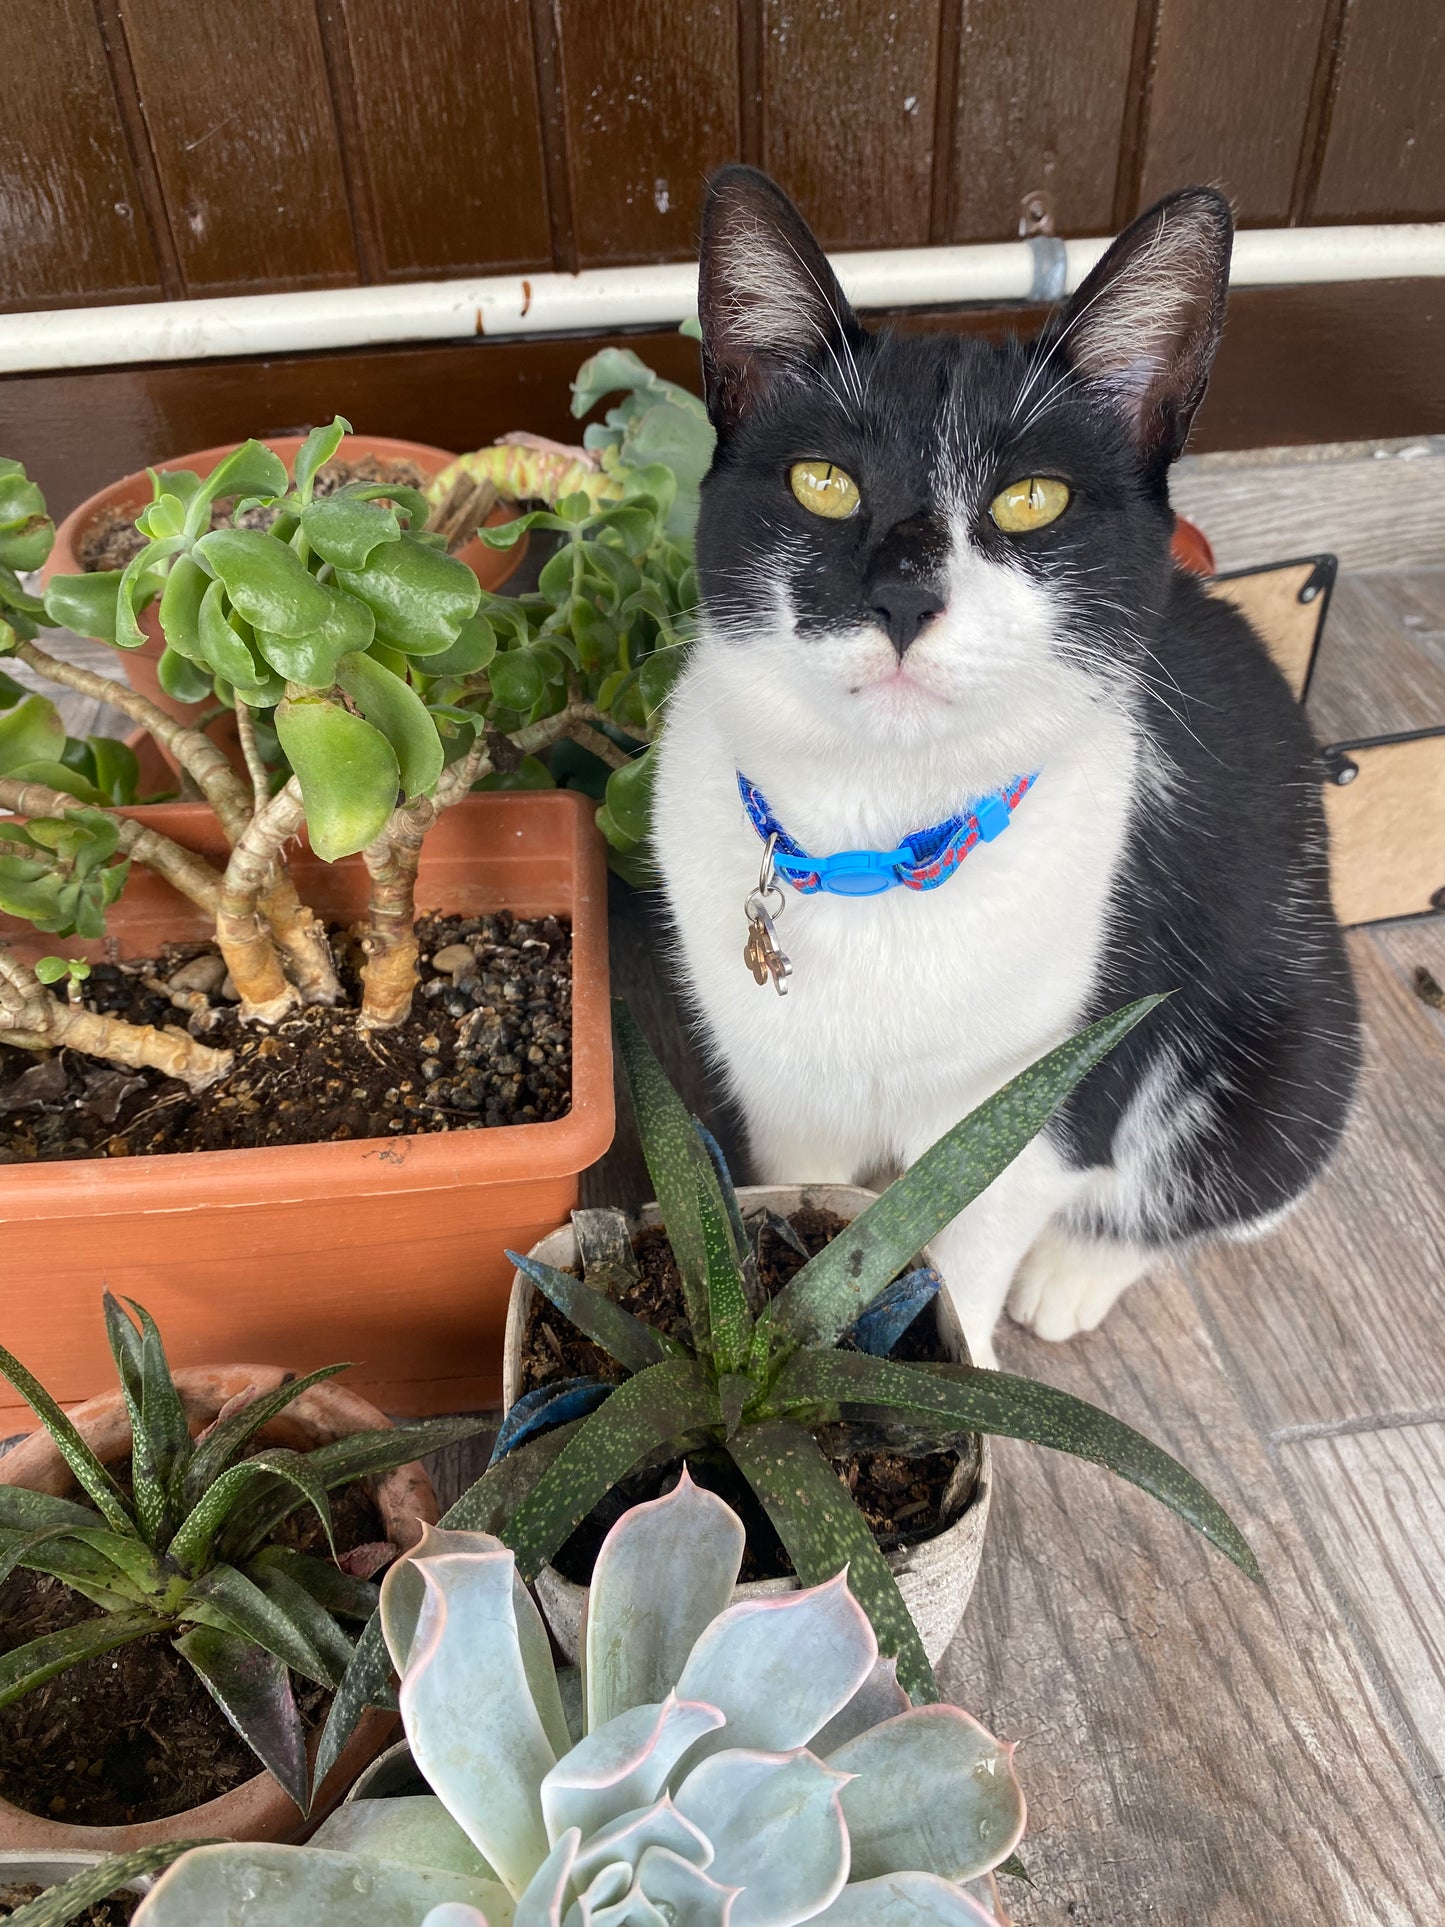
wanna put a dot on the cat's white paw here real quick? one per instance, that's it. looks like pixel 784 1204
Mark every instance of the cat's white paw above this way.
pixel 1068 1284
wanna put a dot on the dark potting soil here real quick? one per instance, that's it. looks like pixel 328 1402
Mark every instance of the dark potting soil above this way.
pixel 899 1493
pixel 490 1045
pixel 132 1735
pixel 113 538
pixel 114 1912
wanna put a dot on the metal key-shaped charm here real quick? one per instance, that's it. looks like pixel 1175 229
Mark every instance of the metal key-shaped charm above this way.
pixel 762 953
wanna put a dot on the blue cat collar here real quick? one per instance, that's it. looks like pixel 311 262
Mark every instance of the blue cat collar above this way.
pixel 923 860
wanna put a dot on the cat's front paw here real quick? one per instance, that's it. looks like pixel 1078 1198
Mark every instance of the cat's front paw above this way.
pixel 1068 1284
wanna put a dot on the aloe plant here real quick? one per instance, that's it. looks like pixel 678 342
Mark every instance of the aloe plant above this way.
pixel 373 688
pixel 751 1763
pixel 756 1379
pixel 187 1550
pixel 58 1906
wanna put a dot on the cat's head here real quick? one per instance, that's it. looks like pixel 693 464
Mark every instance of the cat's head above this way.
pixel 910 538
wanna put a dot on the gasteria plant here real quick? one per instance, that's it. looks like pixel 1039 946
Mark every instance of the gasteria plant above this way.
pixel 373 688
pixel 187 1551
pixel 753 1764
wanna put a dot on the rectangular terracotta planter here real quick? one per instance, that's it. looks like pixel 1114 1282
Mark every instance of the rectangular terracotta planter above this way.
pixel 384 1251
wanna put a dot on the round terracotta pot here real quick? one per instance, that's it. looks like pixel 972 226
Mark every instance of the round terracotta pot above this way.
pixel 131 493
pixel 258 1809
pixel 1191 547
pixel 935 1576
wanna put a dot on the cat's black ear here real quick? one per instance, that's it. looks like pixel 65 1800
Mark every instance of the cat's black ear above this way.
pixel 1146 322
pixel 767 299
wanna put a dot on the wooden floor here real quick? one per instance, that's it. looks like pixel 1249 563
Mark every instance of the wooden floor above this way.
pixel 1199 1752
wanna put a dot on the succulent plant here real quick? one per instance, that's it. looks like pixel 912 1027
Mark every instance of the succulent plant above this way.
pixel 749 1765
pixel 187 1550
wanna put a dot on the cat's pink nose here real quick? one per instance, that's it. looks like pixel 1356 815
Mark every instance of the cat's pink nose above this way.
pixel 904 609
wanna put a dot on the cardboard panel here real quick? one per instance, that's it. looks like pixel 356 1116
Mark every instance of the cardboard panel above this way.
pixel 1387 826
pixel 1287 603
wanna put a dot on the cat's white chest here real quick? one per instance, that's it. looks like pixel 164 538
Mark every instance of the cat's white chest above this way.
pixel 907 1008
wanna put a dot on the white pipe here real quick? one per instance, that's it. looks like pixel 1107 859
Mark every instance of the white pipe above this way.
pixel 604 299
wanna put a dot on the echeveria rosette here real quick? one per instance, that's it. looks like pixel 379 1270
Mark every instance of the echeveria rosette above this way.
pixel 749 1765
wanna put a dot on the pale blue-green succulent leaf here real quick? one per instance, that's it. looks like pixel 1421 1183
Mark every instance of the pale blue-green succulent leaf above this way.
pixel 780 1668
pixel 414 1830
pixel 639 1634
pixel 879 1698
pixel 257 1884
pixel 541 1904
pixel 777 1832
pixel 935 1793
pixel 622 1766
pixel 633 1834
pixel 904 1900
pixel 672 1887
pixel 467 1706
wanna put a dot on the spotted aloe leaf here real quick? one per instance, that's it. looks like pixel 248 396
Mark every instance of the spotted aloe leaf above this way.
pixel 90 1474
pixel 253 1689
pixel 25 1667
pixel 73 1899
pixel 827 1295
pixel 629 1340
pixel 216 1449
pixel 197 1532
pixel 959 1397
pixel 824 1531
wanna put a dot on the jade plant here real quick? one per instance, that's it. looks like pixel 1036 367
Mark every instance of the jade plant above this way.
pixel 752 1763
pixel 373 686
pixel 187 1549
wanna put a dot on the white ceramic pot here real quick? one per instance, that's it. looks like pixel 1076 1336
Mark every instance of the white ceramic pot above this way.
pixel 935 1577
pixel 22 1867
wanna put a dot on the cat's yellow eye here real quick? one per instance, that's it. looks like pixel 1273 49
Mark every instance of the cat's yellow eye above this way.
pixel 1031 503
pixel 823 489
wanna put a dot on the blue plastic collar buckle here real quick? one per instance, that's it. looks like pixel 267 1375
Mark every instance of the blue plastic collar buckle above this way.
pixel 851 873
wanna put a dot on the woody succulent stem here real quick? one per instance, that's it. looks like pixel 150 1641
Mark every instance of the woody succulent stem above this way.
pixel 34 1020
pixel 389 977
pixel 242 932
pixel 181 868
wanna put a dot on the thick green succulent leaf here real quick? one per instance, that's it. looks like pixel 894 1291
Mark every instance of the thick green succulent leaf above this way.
pixel 391 705
pixel 316 451
pixel 221 648
pixel 148 1484
pixel 31 732
pixel 358 1456
pixel 163 1413
pixel 266 580
pixel 327 1584
pixel 226 1598
pixel 347 770
pixel 224 1439
pixel 84 603
pixel 824 1531
pixel 311 659
pixel 629 795
pixel 137 1569
pixel 518 678
pixel 187 682
pixel 420 596
pixel 675 1160
pixel 68 1557
pixel 139 580
pixel 251 469
pixel 629 1340
pixel 818 1305
pixel 663 1403
pixel 117 768
pixel 22 1510
pixel 16 1549
pixel 197 1532
pixel 960 1398
pixel 345 532
pixel 59 1906
pixel 253 1689
pixel 481 1508
pixel 474 648
pixel 180 610
pixel 309 1617
pixel 90 1474
pixel 25 1667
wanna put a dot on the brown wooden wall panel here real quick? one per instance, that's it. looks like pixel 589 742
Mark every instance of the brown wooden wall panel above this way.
pixel 1384 157
pixel 1041 103
pixel 240 118
pixel 1347 361
pixel 650 101
pixel 849 97
pixel 72 228
pixel 449 134
pixel 1229 99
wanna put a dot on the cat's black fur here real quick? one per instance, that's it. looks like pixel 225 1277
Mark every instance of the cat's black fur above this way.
pixel 1223 896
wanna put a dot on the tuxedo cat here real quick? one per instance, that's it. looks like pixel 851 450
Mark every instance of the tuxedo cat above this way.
pixel 933 568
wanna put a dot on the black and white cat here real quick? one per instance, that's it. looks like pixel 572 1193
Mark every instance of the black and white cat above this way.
pixel 931 567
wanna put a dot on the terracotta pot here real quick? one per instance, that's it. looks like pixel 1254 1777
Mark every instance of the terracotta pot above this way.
pixel 388 1251
pixel 258 1809
pixel 1191 547
pixel 131 493
pixel 935 1576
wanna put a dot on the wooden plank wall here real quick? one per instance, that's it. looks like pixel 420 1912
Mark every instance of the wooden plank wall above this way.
pixel 150 148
